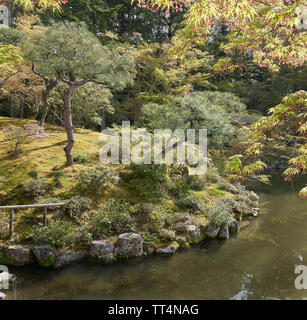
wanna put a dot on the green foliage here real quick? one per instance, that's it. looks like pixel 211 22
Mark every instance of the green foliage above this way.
pixel 211 175
pixel 113 217
pixel 57 175
pixel 35 188
pixel 149 179
pixel 219 213
pixel 82 157
pixel 4 224
pixel 96 177
pixel 190 203
pixel 162 217
pixel 76 206
pixel 59 233
pixel 197 183
pixel 33 174
pixel 149 237
pixel 177 188
pixel 215 111
pixel 50 200
pixel 167 235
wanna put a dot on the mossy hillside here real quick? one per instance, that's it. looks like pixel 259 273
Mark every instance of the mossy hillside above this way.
pixel 46 156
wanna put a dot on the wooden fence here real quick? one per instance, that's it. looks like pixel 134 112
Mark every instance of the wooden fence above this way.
pixel 12 209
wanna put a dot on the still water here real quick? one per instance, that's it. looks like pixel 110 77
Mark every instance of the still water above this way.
pixel 258 263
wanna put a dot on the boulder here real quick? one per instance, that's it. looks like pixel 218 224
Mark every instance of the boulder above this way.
pixel 224 232
pixel 148 248
pixel 19 255
pixel 255 212
pixel 129 245
pixel 45 255
pixel 65 257
pixel 169 250
pixel 211 231
pixel 6 279
pixel 233 226
pixel 102 250
pixel 182 240
pixel 2 296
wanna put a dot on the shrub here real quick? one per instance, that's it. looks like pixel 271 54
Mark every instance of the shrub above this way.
pixel 167 235
pixel 50 200
pixel 75 206
pixel 82 157
pixel 17 136
pixel 149 237
pixel 253 197
pixel 197 183
pixel 113 217
pixel 190 203
pixel 57 175
pixel 219 214
pixel 96 177
pixel 161 217
pixel 149 179
pixel 211 176
pixel 33 174
pixel 83 235
pixel 228 187
pixel 58 233
pixel 178 188
pixel 35 188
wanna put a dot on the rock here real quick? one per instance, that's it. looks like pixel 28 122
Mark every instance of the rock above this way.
pixel 255 212
pixel 169 250
pixel 233 226
pixel 182 240
pixel 45 255
pixel 224 232
pixel 129 245
pixel 6 279
pixel 102 250
pixel 19 255
pixel 2 296
pixel 65 257
pixel 211 231
pixel 193 232
pixel 148 248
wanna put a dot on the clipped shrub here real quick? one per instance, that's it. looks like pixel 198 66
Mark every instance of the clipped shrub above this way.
pixel 197 183
pixel 219 214
pixel 83 235
pixel 57 175
pixel 75 206
pixel 253 197
pixel 113 217
pixel 162 217
pixel 50 200
pixel 149 237
pixel 58 233
pixel 82 157
pixel 190 203
pixel 167 235
pixel 149 179
pixel 96 177
pixel 229 187
pixel 33 174
pixel 177 188
pixel 35 188
pixel 211 176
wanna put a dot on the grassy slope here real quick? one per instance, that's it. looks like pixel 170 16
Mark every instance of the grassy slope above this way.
pixel 47 155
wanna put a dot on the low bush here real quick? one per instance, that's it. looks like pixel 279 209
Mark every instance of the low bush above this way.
pixel 57 175
pixel 211 176
pixel 219 214
pixel 197 183
pixel 190 203
pixel 75 206
pixel 50 200
pixel 82 157
pixel 35 188
pixel 167 235
pixel 58 233
pixel 33 174
pixel 177 188
pixel 113 217
pixel 96 177
pixel 162 217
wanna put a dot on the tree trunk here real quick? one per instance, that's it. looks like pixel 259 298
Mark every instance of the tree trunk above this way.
pixel 46 93
pixel 68 125
pixel 103 119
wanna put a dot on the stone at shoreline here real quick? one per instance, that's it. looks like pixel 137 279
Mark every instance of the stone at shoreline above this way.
pixel 233 226
pixel 102 250
pixel 211 231
pixel 129 245
pixel 45 255
pixel 255 212
pixel 169 250
pixel 65 257
pixel 148 248
pixel 224 232
pixel 193 232
pixel 19 255
pixel 7 279
pixel 2 296
pixel 182 240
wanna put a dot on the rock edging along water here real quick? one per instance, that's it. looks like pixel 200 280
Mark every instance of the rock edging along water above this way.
pixel 127 245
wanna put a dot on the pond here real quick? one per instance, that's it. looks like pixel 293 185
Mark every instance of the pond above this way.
pixel 258 263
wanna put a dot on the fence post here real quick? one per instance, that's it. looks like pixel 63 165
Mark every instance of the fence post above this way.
pixel 11 223
pixel 45 216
